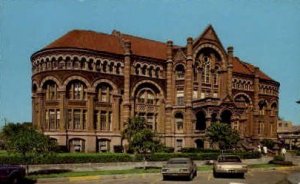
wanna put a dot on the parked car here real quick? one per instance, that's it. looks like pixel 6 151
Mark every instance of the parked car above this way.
pixel 229 164
pixel 177 167
pixel 11 174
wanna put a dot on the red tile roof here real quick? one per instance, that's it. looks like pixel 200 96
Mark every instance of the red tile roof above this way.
pixel 112 43
pixel 248 69
pixel 89 40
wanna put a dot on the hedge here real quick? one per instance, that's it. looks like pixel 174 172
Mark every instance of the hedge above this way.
pixel 65 158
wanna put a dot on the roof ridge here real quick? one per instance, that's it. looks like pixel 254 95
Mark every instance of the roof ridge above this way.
pixel 139 37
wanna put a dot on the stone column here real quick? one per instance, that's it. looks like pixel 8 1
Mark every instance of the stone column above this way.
pixel 90 111
pixel 127 72
pixel 229 70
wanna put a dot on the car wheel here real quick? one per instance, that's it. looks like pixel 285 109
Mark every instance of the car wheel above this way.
pixel 215 174
pixel 242 175
pixel 14 180
pixel 191 176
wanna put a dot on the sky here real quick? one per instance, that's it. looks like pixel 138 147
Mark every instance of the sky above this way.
pixel 265 33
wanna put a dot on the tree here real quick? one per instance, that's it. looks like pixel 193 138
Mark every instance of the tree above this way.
pixel 269 143
pixel 25 140
pixel 224 135
pixel 140 138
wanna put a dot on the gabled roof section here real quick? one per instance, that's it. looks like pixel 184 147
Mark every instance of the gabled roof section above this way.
pixel 209 34
pixel 247 69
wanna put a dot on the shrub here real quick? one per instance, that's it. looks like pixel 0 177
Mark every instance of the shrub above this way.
pixel 64 158
pixel 268 143
pixel 249 155
pixel 165 149
pixel 279 158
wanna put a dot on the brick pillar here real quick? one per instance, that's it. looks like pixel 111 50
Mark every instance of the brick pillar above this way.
pixel 229 70
pixel 168 119
pixel 116 113
pixel 189 92
pixel 62 110
pixel 40 115
pixel 189 73
pixel 255 100
pixel 90 111
pixel 127 72
pixel 34 111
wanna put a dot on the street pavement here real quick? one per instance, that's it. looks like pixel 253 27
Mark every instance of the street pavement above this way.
pixel 257 176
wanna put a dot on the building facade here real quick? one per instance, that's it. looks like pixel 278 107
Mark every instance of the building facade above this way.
pixel 85 86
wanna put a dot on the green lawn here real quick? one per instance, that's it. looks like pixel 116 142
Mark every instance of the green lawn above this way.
pixel 130 171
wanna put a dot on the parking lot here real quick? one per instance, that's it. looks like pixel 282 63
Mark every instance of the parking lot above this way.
pixel 252 177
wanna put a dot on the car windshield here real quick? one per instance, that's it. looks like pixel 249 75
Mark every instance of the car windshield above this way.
pixel 178 162
pixel 229 159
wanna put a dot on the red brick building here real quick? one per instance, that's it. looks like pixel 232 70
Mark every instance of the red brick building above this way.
pixel 85 85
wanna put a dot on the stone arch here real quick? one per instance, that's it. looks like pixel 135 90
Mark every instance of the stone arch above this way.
pixel 244 95
pixel 118 68
pixel 143 82
pixel 34 87
pixel 113 85
pixel 177 64
pixel 212 46
pixel 200 120
pixel 144 69
pixel 58 83
pixel 76 78
pixel 226 116
pixel 150 70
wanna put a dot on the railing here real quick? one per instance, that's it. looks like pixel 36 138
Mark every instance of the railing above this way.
pixel 145 108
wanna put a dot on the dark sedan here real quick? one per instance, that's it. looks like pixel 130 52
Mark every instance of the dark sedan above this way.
pixel 11 174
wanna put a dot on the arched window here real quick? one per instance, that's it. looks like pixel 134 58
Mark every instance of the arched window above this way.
pixel 262 107
pixel 226 116
pixel 50 90
pixel 206 71
pixel 179 71
pixel 179 121
pixel 104 92
pixel 273 109
pixel 201 121
pixel 146 97
pixel 215 76
pixel 76 90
